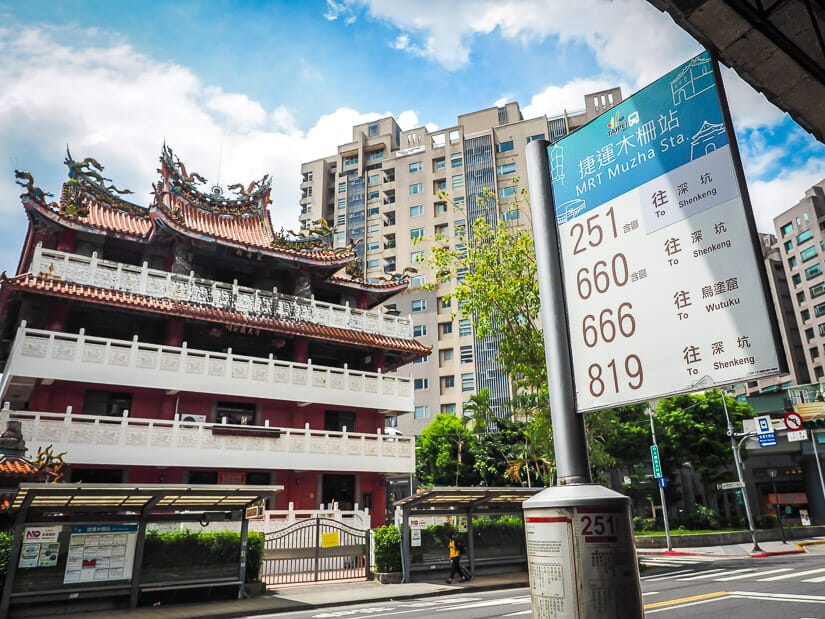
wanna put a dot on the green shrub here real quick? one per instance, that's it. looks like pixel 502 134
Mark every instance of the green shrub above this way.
pixel 5 551
pixel 387 548
pixel 644 524
pixel 179 552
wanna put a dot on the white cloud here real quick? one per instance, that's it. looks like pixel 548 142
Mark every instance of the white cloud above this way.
pixel 772 197
pixel 106 102
pixel 556 100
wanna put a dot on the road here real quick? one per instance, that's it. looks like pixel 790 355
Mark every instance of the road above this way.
pixel 786 587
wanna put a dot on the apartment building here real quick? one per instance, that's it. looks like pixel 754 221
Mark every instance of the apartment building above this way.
pixel 386 189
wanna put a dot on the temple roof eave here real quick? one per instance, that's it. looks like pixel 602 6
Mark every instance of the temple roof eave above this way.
pixel 408 348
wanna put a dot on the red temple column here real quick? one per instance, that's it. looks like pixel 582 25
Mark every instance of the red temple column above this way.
pixel 363 299
pixel 300 350
pixel 174 332
pixel 377 363
pixel 58 318
pixel 67 241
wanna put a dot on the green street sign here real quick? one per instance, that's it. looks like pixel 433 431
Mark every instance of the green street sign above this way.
pixel 657 465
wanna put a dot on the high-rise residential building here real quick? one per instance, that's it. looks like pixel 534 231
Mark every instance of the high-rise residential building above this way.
pixel 385 189
pixel 801 245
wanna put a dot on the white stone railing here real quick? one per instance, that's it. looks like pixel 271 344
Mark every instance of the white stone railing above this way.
pixel 128 441
pixel 93 271
pixel 56 355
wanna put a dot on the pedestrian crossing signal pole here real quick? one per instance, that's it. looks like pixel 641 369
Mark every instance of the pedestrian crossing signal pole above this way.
pixel 657 473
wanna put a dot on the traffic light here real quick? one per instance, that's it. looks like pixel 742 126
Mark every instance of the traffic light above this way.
pixel 817 423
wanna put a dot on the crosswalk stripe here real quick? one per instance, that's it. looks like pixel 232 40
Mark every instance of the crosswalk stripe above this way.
pixel 749 572
pixel 788 576
pixel 741 577
pixel 817 579
pixel 666 576
pixel 701 575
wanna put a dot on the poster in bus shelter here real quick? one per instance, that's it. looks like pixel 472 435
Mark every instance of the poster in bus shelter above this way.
pixel 664 290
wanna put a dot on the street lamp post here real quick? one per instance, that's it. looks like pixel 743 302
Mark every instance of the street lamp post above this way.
pixel 738 462
pixel 772 475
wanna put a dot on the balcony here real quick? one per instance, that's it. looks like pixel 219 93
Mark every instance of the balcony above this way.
pixel 190 289
pixel 54 355
pixel 125 441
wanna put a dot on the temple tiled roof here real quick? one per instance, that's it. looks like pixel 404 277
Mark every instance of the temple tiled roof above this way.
pixel 121 299
pixel 16 466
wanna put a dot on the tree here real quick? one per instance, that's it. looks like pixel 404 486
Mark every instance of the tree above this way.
pixel 445 453
pixel 479 408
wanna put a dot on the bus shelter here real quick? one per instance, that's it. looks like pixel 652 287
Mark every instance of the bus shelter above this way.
pixel 453 505
pixel 85 542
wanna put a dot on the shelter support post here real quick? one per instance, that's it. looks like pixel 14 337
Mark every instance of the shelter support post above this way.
pixel 14 557
pixel 137 562
pixel 244 555
pixel 470 545
pixel 405 545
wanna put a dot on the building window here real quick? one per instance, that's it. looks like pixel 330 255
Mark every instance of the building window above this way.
pixel 342 187
pixel 372 264
pixel 421 360
pixel 821 328
pixel 461 273
pixel 342 203
pixel 419 330
pixel 375 154
pixel 108 403
pixel 507 192
pixel 458 181
pixel 235 413
pixel 812 271
pixel 819 310
pixel 373 210
pixel 445 302
pixel 373 179
pixel 439 164
pixel 817 291
pixel 373 228
pixel 417 234
pixel 416 257
pixel 511 215
pixel 420 384
pixel 421 412
pixel 809 334
pixel 807 253
pixel 417 281
pixel 504 147
pixel 447 382
pixel 800 296
pixel 415 166
pixel 468 382
pixel 373 195
pixel 446 354
pixel 506 168
pixel 466 354
pixel 373 246
pixel 391 422
pixel 806 315
pixel 464 327
pixel 531 138
pixel 448 409
pixel 419 305
pixel 442 231
pixel 792 262
pixel 446 328
pixel 372 131
pixel 456 161
pixel 416 210
pixel 440 185
pixel 788 245
pixel 797 278
pixel 440 208
pixel 416 188
pixel 351 160
pixel 459 202
pixel 805 235
pixel 787 228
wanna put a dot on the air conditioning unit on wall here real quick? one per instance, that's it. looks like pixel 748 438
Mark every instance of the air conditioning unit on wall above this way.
pixel 192 418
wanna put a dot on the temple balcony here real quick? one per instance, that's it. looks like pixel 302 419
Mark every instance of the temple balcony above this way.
pixel 142 280
pixel 53 355
pixel 125 441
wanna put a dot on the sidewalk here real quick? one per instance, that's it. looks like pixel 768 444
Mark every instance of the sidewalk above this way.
pixel 320 595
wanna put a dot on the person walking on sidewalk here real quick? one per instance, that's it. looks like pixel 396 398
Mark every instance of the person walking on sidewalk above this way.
pixel 456 550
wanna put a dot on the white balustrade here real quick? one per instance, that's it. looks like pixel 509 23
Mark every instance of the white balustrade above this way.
pixel 81 358
pixel 130 441
pixel 190 289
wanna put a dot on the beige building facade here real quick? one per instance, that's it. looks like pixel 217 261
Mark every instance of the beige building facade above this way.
pixel 385 190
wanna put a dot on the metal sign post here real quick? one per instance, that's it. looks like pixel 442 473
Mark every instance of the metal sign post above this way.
pixel 580 550
pixel 657 473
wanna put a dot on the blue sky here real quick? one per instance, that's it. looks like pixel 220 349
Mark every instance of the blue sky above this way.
pixel 241 88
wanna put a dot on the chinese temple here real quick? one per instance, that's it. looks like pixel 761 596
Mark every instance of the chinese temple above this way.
pixel 189 342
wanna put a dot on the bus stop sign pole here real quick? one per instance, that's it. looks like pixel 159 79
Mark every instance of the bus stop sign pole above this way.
pixel 581 554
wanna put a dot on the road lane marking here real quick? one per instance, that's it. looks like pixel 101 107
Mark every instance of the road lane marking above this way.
pixel 789 576
pixel 652 577
pixel 692 598
pixel 742 577
pixel 701 575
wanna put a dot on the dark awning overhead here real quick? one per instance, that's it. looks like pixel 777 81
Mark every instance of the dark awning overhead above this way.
pixel 457 499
